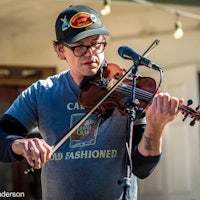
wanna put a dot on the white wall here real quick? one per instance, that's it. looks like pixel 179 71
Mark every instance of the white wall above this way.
pixel 29 41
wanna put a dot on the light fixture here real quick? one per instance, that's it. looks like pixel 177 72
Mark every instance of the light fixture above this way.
pixel 106 7
pixel 178 33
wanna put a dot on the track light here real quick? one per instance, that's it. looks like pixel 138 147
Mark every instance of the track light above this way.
pixel 106 7
pixel 178 33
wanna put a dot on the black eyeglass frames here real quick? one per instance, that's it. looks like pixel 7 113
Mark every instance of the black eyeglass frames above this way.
pixel 81 50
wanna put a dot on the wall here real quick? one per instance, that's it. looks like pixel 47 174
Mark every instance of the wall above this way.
pixel 30 41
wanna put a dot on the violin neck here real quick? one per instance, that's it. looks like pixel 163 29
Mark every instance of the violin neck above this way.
pixel 187 111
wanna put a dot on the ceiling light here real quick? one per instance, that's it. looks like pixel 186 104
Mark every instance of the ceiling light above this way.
pixel 106 7
pixel 178 33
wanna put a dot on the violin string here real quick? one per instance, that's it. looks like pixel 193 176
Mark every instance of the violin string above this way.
pixel 142 94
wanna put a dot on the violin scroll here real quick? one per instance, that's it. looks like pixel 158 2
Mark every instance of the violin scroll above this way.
pixel 187 111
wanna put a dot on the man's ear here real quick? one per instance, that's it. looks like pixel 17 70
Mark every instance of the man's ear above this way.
pixel 60 51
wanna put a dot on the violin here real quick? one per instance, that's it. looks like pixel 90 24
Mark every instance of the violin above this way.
pixel 92 91
pixel 101 93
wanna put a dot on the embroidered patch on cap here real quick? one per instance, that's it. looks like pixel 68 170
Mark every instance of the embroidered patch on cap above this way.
pixel 82 19
pixel 65 23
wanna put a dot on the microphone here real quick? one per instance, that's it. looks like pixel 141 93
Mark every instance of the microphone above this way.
pixel 128 53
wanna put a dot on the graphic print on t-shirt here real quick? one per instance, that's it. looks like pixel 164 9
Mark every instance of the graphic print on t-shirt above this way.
pixel 86 133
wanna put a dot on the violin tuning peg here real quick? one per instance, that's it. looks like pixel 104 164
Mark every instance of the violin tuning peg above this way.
pixel 197 108
pixel 192 123
pixel 189 102
pixel 185 116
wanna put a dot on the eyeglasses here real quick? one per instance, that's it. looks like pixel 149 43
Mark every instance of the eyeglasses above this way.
pixel 81 50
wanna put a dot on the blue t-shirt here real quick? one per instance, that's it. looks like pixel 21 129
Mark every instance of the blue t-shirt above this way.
pixel 90 164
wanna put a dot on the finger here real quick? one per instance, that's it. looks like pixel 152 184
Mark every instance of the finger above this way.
pixel 48 148
pixel 43 153
pixel 35 154
pixel 174 105
pixel 44 150
pixel 166 102
pixel 40 153
pixel 28 155
pixel 181 100
pixel 159 102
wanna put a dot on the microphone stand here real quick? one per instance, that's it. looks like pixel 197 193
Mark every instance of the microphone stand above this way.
pixel 132 103
pixel 132 113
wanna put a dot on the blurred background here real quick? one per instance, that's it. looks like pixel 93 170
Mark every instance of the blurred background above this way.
pixel 27 54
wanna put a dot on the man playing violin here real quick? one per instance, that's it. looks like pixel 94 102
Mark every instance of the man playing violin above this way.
pixel 91 163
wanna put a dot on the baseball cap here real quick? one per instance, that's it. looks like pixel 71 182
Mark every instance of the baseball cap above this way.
pixel 78 22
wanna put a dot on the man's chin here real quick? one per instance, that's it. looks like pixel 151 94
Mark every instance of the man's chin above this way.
pixel 91 72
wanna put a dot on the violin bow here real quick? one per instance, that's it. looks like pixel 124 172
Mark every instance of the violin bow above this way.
pixel 72 129
pixel 188 111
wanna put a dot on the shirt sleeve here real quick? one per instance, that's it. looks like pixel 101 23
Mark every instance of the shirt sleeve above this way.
pixel 10 130
pixel 24 108
pixel 143 166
